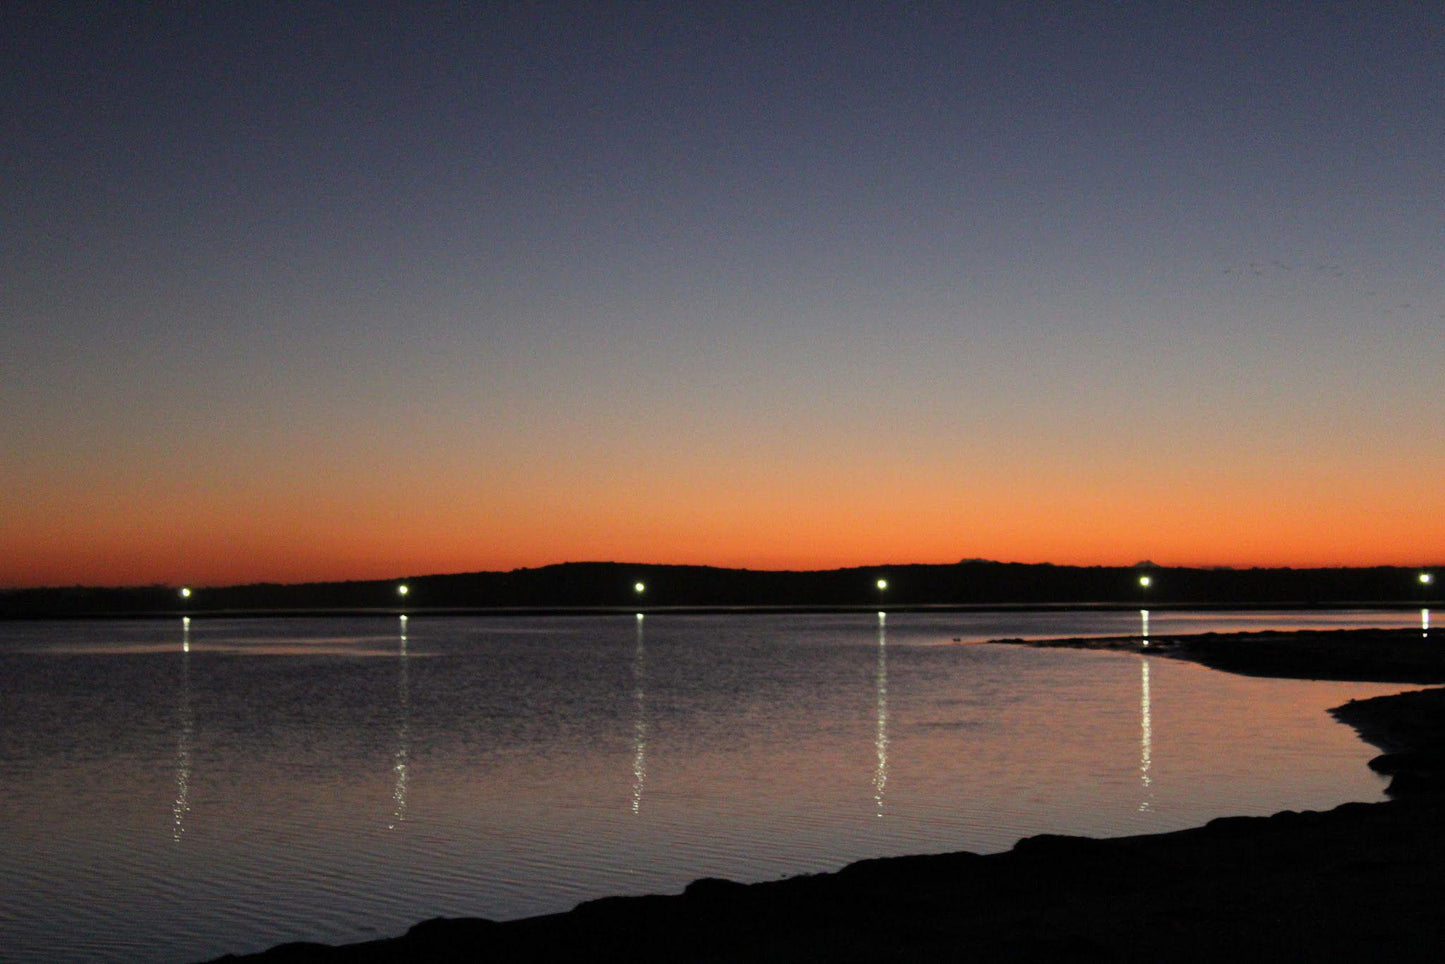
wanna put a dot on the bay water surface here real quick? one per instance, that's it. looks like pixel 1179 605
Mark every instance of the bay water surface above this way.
pixel 172 790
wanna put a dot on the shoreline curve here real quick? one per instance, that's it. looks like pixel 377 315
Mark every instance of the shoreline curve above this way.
pixel 1361 879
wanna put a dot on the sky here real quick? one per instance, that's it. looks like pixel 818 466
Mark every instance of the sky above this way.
pixel 316 291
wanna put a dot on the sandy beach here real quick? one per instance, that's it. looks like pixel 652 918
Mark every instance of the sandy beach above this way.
pixel 1357 880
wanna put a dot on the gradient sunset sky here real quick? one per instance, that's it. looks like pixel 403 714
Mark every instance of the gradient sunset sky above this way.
pixel 324 291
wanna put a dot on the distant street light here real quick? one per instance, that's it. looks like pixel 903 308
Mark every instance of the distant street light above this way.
pixel 639 587
pixel 402 590
pixel 185 592
pixel 882 585
pixel 1426 578
pixel 1145 582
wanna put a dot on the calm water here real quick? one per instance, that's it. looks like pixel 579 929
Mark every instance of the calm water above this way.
pixel 173 791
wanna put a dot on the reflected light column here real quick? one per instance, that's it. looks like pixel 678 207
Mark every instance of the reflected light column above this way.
pixel 1146 739
pixel 185 718
pixel 403 735
pixel 1144 626
pixel 1425 623
pixel 639 720
pixel 880 739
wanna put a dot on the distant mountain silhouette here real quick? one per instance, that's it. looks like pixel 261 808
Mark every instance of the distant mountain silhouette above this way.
pixel 589 585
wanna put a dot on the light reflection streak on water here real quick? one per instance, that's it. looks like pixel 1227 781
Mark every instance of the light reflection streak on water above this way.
pixel 1425 624
pixel 293 858
pixel 1144 626
pixel 184 716
pixel 1146 739
pixel 880 740
pixel 639 721
pixel 403 737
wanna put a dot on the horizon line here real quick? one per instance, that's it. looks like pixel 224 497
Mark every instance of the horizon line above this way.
pixel 880 567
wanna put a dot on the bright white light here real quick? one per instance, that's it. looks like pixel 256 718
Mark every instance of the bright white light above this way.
pixel 402 590
pixel 639 587
pixel 1145 582
pixel 882 584
pixel 185 592
pixel 1426 578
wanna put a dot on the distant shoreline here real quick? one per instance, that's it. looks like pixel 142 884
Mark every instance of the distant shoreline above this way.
pixel 619 586
pixel 742 610
pixel 1359 881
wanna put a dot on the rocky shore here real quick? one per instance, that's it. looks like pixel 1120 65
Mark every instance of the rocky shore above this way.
pixel 1361 880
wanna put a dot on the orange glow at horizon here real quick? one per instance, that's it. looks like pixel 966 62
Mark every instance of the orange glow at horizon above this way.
pixel 859 525
pixel 745 495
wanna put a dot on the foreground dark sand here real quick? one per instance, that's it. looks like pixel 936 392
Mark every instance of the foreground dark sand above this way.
pixel 1359 881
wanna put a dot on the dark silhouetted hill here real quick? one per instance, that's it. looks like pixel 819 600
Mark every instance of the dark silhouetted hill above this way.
pixel 588 585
